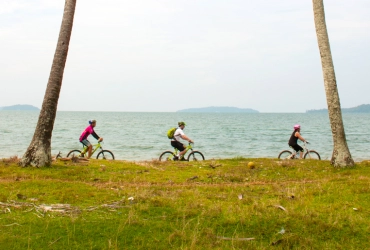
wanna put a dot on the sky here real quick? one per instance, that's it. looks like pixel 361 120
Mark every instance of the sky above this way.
pixel 167 55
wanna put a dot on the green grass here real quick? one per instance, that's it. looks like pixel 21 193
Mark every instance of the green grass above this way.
pixel 186 205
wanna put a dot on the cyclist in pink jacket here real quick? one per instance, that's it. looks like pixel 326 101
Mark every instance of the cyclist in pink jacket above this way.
pixel 89 131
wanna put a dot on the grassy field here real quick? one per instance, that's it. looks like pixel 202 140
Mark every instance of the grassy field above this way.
pixel 216 204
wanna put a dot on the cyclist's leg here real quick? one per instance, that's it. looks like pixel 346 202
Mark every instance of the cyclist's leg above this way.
pixel 182 150
pixel 299 149
pixel 179 146
pixel 292 156
pixel 89 147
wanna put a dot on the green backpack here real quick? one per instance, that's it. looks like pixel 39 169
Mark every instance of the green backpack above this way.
pixel 171 133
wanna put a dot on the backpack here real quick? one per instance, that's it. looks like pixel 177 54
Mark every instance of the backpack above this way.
pixel 171 133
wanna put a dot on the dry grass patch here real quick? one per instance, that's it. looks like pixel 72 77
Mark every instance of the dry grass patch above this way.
pixel 11 160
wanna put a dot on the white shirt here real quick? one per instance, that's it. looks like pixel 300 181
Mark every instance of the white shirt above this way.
pixel 178 134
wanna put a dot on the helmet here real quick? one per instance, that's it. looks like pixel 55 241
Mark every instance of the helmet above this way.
pixel 297 126
pixel 182 123
pixel 92 121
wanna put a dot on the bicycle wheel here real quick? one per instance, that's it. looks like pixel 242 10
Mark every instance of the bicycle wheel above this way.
pixel 166 156
pixel 75 152
pixel 105 155
pixel 196 156
pixel 285 154
pixel 312 155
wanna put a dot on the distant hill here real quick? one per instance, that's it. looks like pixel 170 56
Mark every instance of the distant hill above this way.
pixel 218 110
pixel 19 107
pixel 364 108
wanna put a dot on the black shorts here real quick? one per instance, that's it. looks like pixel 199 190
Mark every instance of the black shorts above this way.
pixel 178 145
pixel 296 147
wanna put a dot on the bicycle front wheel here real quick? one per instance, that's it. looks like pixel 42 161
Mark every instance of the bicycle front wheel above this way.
pixel 285 154
pixel 196 156
pixel 76 153
pixel 312 155
pixel 105 155
pixel 166 156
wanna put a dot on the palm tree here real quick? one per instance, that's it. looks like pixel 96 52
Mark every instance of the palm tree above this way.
pixel 341 156
pixel 39 151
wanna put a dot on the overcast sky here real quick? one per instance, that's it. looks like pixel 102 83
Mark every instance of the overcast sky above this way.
pixel 166 55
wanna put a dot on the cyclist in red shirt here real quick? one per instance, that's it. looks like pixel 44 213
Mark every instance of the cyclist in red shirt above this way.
pixel 89 131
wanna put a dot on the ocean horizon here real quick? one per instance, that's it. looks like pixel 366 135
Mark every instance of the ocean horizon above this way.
pixel 142 136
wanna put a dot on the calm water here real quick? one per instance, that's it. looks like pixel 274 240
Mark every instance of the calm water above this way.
pixel 142 136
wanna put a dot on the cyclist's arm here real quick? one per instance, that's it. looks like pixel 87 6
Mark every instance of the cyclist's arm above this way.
pixel 95 135
pixel 299 136
pixel 186 138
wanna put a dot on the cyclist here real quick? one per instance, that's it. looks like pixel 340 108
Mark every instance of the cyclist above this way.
pixel 89 131
pixel 175 142
pixel 293 141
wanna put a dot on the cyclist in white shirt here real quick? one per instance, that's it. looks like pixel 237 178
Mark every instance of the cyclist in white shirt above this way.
pixel 175 142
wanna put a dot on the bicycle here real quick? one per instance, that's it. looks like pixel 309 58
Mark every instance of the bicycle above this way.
pixel 103 154
pixel 194 155
pixel 312 154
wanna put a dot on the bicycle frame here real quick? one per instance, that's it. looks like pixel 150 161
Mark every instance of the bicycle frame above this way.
pixel 173 155
pixel 306 153
pixel 304 149
pixel 95 148
pixel 189 147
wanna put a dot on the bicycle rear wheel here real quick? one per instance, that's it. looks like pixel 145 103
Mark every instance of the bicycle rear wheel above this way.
pixel 75 152
pixel 312 155
pixel 196 156
pixel 285 154
pixel 166 156
pixel 105 155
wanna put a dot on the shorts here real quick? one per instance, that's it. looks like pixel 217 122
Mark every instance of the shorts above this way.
pixel 296 147
pixel 85 143
pixel 178 145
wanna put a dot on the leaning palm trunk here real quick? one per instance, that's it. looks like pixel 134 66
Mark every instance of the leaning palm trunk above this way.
pixel 341 156
pixel 39 151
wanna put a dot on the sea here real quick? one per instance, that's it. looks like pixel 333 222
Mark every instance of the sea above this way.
pixel 136 136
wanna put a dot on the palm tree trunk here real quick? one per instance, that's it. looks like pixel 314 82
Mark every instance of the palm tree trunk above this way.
pixel 341 156
pixel 39 151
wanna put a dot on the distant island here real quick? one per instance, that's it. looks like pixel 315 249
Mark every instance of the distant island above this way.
pixel 20 107
pixel 364 108
pixel 218 110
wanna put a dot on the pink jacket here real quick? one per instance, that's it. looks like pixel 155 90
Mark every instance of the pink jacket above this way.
pixel 88 131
